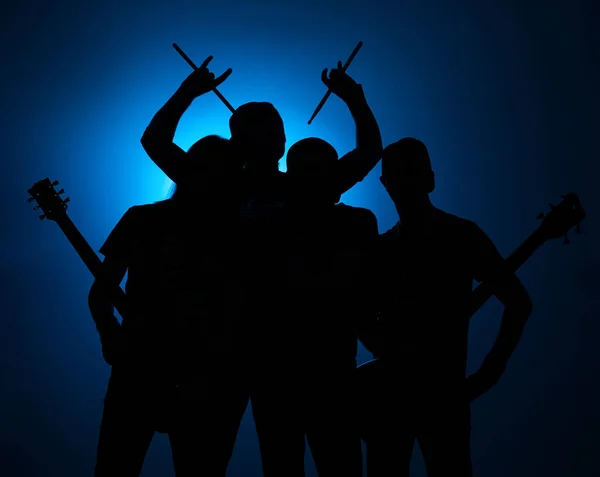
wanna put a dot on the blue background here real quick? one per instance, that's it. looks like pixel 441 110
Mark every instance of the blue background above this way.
pixel 503 93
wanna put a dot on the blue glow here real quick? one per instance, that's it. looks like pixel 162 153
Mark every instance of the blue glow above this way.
pixel 502 95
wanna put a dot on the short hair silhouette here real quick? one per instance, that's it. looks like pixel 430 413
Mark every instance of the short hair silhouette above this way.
pixel 406 164
pixel 311 156
pixel 257 129
pixel 313 161
pixel 210 158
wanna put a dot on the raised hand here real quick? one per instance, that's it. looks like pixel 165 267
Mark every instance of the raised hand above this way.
pixel 202 81
pixel 341 84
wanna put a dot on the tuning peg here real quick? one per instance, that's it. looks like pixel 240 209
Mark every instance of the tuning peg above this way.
pixel 62 191
pixel 540 216
pixel 566 241
pixel 42 217
pixel 36 207
pixel 55 183
pixel 577 230
pixel 68 199
pixel 30 199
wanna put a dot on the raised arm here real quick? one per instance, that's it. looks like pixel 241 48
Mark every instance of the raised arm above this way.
pixel 492 269
pixel 157 139
pixel 356 165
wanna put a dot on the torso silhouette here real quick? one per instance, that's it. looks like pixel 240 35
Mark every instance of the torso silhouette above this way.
pixel 326 279
pixel 427 280
pixel 264 331
pixel 262 270
pixel 181 285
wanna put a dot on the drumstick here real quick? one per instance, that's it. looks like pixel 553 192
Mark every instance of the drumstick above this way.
pixel 215 90
pixel 344 68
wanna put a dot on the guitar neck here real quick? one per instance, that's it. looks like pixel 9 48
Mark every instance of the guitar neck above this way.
pixel 515 260
pixel 90 258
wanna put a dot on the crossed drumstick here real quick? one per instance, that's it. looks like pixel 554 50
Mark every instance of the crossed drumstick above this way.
pixel 232 109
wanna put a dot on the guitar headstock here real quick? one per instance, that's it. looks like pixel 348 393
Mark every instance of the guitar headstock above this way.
pixel 48 199
pixel 562 218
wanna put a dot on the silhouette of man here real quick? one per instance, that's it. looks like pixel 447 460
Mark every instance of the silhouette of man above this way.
pixel 317 177
pixel 258 137
pixel 428 262
pixel 326 244
pixel 172 367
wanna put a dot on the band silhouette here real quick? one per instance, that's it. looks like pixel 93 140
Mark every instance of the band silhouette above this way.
pixel 251 285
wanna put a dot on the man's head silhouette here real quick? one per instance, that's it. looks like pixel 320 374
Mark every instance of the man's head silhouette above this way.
pixel 406 171
pixel 212 173
pixel 258 134
pixel 312 162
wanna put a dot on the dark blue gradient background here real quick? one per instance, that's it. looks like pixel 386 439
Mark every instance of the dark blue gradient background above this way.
pixel 503 93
